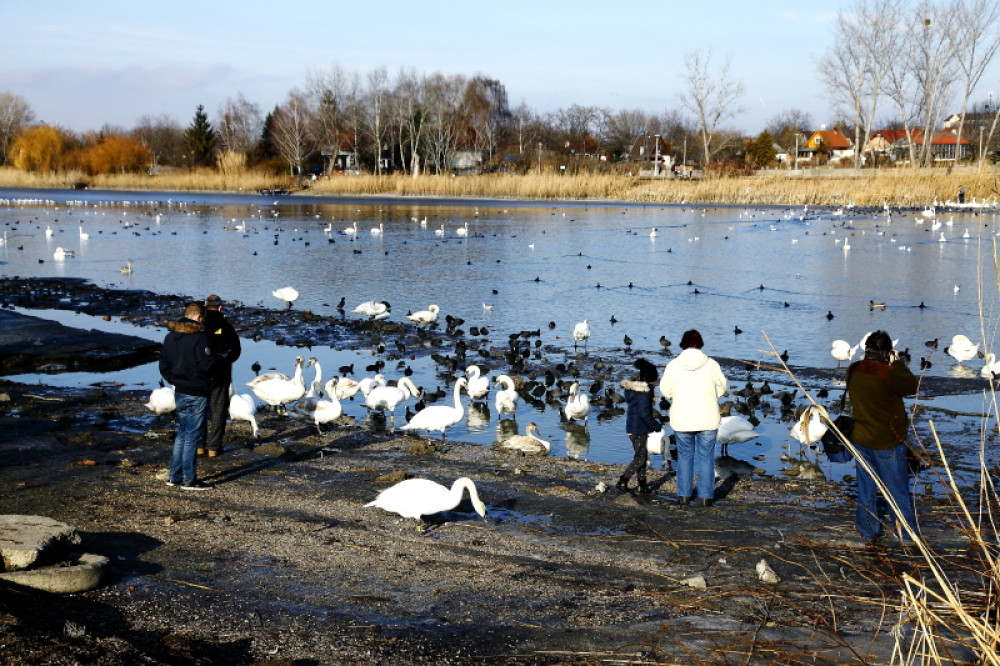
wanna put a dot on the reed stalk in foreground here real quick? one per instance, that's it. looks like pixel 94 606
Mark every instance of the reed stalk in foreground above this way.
pixel 827 187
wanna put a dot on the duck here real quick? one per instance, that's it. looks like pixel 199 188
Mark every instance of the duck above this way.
pixel 243 408
pixel 529 443
pixel 962 349
pixel 479 384
pixel 734 429
pixel 287 294
pixel 439 417
pixel 416 498
pixel 161 400
pixel 842 351
pixel 374 310
pixel 386 398
pixel 578 405
pixel 506 398
pixel 992 367
pixel 581 333
pixel 811 426
pixel 278 392
pixel 329 409
pixel 428 316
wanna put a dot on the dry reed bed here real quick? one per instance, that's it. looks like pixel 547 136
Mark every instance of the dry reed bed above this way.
pixel 822 187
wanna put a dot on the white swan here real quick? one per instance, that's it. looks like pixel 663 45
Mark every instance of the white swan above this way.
pixel 652 234
pixel 415 498
pixel 462 231
pixel 377 231
pixel 439 232
pixel 811 425
pixel 287 294
pixel 127 268
pixel 278 375
pixel 277 392
pixel 507 397
pixel 243 408
pixel 992 367
pixel 428 316
pixel 479 384
pixel 578 406
pixel 439 417
pixel 61 254
pixel 368 384
pixel 734 429
pixel 842 351
pixel 345 388
pixel 161 400
pixel 329 410
pixel 581 333
pixel 351 230
pixel 306 405
pixel 373 309
pixel 528 443
pixel 83 234
pixel 48 232
pixel 962 349
pixel 387 398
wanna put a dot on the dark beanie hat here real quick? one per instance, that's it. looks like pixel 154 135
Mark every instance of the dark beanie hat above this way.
pixel 647 371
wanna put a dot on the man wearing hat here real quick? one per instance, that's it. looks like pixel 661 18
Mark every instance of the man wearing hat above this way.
pixel 225 345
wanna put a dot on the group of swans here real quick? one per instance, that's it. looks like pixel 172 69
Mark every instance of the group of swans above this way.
pixel 277 390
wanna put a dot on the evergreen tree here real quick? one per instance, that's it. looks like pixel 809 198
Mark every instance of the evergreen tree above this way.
pixel 200 140
pixel 266 149
pixel 760 151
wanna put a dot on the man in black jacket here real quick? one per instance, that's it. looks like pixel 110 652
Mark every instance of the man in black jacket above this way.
pixel 226 346
pixel 186 361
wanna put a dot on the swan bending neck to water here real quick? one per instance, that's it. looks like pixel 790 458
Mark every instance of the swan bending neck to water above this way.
pixel 416 498
pixel 287 294
pixel 387 398
pixel 243 408
pixel 439 417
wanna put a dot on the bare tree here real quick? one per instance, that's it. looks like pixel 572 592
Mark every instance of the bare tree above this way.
pixel 164 139
pixel 376 116
pixel 524 127
pixel 785 126
pixel 935 69
pixel 444 123
pixel 624 128
pixel 333 93
pixel 410 118
pixel 292 136
pixel 976 40
pixel 855 67
pixel 239 125
pixel 711 97
pixel 15 114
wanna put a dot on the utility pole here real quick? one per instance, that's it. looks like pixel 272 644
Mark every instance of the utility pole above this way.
pixel 656 160
pixel 539 158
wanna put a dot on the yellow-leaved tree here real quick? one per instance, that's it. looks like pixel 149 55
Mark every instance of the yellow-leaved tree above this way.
pixel 38 149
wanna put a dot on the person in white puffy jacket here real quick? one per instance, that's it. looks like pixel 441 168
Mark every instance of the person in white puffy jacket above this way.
pixel 693 383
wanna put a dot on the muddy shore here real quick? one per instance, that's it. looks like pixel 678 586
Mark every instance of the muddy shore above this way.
pixel 281 563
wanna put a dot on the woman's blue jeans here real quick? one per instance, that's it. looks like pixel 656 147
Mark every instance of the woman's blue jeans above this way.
pixel 696 452
pixel 890 466
pixel 191 412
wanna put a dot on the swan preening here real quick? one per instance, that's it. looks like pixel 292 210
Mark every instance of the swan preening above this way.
pixel 842 351
pixel 506 398
pixel 734 429
pixel 278 375
pixel 287 294
pixel 962 349
pixel 529 443
pixel 811 426
pixel 428 316
pixel 416 498
pixel 374 310
pixel 439 417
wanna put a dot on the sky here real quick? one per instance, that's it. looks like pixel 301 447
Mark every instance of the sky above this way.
pixel 82 65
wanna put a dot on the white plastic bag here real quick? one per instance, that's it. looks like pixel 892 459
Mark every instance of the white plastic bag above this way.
pixel 654 442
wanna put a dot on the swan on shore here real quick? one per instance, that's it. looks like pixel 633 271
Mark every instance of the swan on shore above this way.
pixel 274 374
pixel 439 417
pixel 278 392
pixel 161 400
pixel 842 351
pixel 386 398
pixel 330 409
pixel 416 498
pixel 243 408
pixel 529 443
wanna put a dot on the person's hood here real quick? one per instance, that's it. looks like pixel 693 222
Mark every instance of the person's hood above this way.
pixel 692 358
pixel 636 385
pixel 185 326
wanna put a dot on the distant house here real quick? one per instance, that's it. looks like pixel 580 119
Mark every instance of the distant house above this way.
pixel 831 142
pixel 972 120
pixel 944 145
pixel 464 160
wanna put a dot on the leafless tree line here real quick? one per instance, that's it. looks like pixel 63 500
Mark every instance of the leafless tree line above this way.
pixel 913 61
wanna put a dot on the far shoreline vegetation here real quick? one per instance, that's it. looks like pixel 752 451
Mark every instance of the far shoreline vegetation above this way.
pixel 814 187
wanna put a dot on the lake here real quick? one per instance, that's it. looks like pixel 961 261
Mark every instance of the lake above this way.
pixel 802 276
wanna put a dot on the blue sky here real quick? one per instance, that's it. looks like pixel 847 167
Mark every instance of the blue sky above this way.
pixel 83 64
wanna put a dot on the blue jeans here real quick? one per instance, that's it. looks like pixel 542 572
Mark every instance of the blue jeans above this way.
pixel 890 466
pixel 191 412
pixel 692 446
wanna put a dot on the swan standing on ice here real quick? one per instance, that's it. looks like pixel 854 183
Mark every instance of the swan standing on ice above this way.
pixel 243 408
pixel 506 398
pixel 578 406
pixel 479 384
pixel 287 294
pixel 428 316
pixel 529 443
pixel 416 498
pixel 581 333
pixel 439 417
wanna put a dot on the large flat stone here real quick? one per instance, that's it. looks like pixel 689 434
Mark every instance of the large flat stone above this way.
pixel 25 540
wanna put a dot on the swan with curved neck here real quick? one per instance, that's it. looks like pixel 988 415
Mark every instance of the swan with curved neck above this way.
pixel 416 498
pixel 578 406
pixel 277 375
pixel 243 408
pixel 506 398
pixel 479 385
pixel 387 398
pixel 428 316
pixel 277 391
pixel 439 417
pixel 529 443
pixel 330 409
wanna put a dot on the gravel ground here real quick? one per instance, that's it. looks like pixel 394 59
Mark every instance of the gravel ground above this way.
pixel 281 563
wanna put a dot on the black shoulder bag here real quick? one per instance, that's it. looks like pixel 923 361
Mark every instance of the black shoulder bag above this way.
pixel 833 446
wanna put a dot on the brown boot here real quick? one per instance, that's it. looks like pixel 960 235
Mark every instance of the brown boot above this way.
pixel 200 452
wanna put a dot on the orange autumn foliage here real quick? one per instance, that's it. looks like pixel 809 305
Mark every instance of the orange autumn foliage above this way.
pixel 112 154
pixel 39 149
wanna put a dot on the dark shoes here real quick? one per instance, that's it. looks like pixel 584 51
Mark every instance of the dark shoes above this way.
pixel 706 502
pixel 622 485
pixel 196 485
pixel 683 501
pixel 643 488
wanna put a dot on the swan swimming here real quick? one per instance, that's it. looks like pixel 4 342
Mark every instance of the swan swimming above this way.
pixel 428 316
pixel 462 231
pixel 439 417
pixel 287 294
pixel 506 398
pixel 416 498
pixel 578 406
pixel 61 254
pixel 529 443
pixel 127 268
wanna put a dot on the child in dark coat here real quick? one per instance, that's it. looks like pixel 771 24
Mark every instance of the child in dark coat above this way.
pixel 639 422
